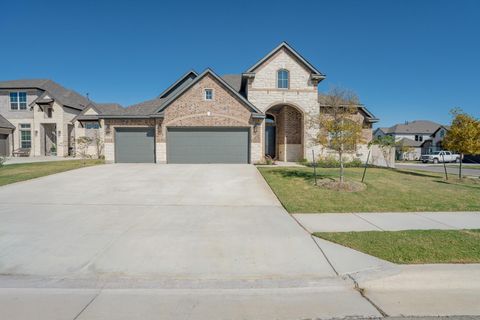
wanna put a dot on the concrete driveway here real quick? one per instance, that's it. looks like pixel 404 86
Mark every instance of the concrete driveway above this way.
pixel 143 241
pixel 151 222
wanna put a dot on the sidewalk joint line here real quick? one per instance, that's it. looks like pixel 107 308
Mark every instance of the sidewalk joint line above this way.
pixel 364 219
pixel 419 214
pixel 316 243
pixel 88 304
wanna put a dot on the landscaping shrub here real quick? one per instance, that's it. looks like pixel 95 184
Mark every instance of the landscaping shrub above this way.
pixel 331 162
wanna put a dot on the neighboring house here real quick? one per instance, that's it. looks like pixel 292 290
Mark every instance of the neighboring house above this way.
pixel 6 137
pixel 415 138
pixel 41 112
pixel 205 118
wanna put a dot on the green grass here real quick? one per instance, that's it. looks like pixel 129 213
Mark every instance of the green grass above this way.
pixel 413 246
pixel 387 190
pixel 25 171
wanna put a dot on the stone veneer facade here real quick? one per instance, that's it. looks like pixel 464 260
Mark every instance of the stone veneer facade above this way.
pixel 295 108
pixel 301 95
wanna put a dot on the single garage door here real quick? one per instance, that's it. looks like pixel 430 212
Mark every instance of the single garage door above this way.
pixel 207 145
pixel 135 144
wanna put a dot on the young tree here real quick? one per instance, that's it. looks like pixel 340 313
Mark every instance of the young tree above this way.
pixel 463 136
pixel 98 144
pixel 340 129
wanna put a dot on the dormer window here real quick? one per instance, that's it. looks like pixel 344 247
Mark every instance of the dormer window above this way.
pixel 282 79
pixel 18 100
pixel 208 94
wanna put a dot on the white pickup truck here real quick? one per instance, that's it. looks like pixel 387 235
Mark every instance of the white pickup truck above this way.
pixel 440 156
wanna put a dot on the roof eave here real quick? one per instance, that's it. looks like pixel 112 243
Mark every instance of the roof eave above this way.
pixel 284 44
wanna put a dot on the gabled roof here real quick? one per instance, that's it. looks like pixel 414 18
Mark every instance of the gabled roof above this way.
pixel 383 129
pixel 286 46
pixel 414 127
pixel 190 75
pixel 447 128
pixel 210 72
pixel 61 94
pixel 101 109
pixel 5 124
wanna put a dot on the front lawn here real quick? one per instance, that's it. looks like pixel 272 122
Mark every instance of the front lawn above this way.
pixel 19 172
pixel 387 190
pixel 413 246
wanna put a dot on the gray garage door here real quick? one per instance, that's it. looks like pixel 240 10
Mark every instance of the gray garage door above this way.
pixel 135 145
pixel 207 145
pixel 3 144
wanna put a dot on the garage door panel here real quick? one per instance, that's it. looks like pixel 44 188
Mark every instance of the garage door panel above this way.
pixel 208 145
pixel 135 145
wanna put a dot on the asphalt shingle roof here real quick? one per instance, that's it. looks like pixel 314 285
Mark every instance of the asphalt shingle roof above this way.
pixel 410 143
pixel 4 123
pixel 61 94
pixel 413 127
pixel 108 108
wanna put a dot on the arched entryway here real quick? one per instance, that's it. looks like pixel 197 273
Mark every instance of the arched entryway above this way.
pixel 284 133
pixel 270 136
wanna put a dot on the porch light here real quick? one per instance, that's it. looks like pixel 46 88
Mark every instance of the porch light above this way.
pixel 256 123
pixel 59 133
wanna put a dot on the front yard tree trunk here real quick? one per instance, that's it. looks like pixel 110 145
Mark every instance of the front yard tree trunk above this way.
pixel 460 167
pixel 341 166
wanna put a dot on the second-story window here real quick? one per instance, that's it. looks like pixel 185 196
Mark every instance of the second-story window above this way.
pixel 208 94
pixel 18 100
pixel 418 138
pixel 282 79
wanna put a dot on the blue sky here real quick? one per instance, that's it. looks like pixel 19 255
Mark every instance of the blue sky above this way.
pixel 405 59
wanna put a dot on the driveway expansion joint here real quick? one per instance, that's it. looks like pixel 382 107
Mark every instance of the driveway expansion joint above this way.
pixel 361 291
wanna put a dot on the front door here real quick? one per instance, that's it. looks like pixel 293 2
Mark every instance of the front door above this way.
pixel 270 132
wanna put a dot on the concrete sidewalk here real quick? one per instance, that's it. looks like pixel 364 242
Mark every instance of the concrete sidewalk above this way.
pixel 388 221
pixel 21 160
pixel 425 290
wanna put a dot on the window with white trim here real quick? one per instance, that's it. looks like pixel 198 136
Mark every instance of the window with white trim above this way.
pixel 208 94
pixel 18 100
pixel 25 136
pixel 282 79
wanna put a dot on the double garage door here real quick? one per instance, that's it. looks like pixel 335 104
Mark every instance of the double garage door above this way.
pixel 184 145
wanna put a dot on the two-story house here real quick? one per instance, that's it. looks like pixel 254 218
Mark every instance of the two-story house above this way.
pixel 241 118
pixel 41 113
pixel 414 138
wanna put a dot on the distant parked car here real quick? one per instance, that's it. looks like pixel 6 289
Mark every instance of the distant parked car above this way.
pixel 440 156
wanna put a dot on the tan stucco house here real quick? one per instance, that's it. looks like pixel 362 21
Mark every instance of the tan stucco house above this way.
pixel 207 118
